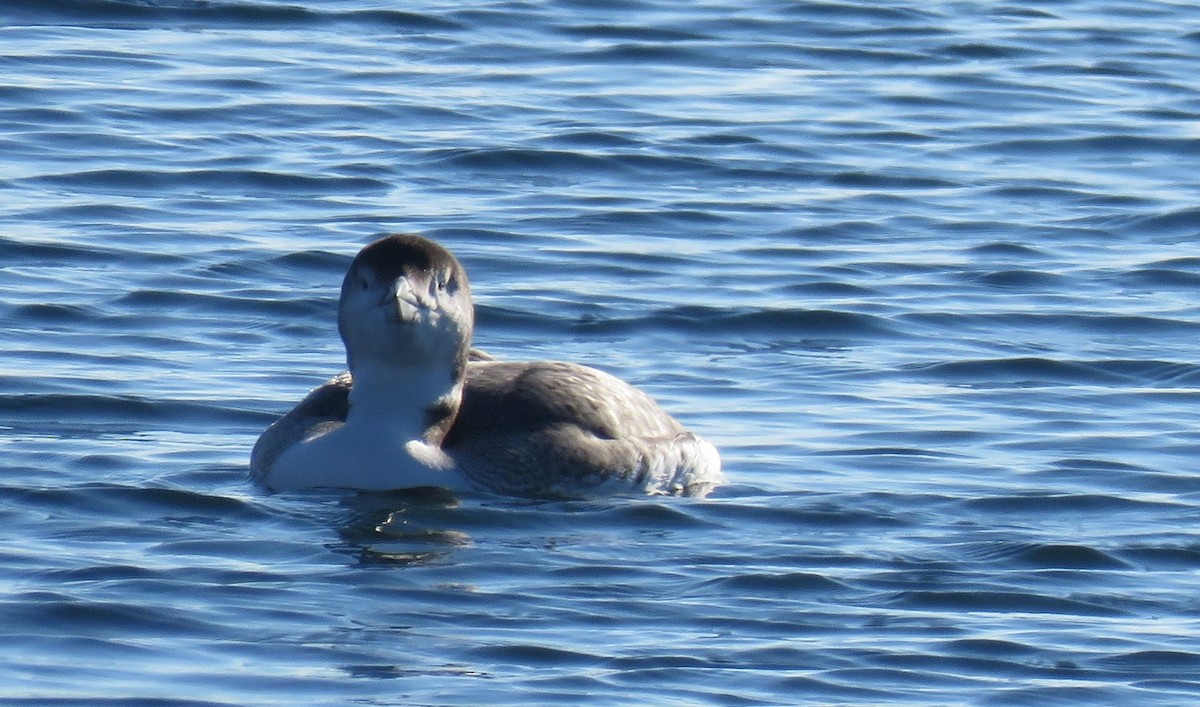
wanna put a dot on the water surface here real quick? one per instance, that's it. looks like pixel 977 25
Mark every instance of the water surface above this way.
pixel 925 273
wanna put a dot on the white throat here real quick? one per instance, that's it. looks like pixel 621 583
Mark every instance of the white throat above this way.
pixel 397 397
pixel 381 446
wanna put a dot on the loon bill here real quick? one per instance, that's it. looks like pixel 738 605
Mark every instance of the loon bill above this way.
pixel 420 407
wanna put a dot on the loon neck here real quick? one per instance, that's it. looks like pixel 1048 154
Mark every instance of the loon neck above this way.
pixel 414 402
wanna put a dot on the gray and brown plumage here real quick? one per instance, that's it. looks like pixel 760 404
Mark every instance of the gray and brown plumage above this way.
pixel 462 419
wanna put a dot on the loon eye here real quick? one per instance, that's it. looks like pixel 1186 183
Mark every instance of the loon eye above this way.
pixel 364 282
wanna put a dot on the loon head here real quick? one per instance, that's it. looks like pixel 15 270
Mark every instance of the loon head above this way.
pixel 406 306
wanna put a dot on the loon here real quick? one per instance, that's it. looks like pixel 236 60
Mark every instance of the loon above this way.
pixel 420 407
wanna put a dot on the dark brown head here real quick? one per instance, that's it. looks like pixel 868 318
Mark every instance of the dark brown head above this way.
pixel 406 303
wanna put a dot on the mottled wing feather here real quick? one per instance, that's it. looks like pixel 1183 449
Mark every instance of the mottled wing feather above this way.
pixel 537 394
pixel 552 428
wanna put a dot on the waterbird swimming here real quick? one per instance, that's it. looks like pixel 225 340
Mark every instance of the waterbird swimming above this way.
pixel 420 407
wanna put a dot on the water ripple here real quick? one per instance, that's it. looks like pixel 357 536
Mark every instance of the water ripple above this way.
pixel 119 180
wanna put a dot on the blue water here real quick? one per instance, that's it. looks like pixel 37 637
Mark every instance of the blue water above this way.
pixel 926 272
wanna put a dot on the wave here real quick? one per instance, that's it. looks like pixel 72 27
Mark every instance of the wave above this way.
pixel 641 53
pixel 1031 370
pixel 984 601
pixel 1020 278
pixel 1008 249
pixel 782 584
pixel 508 159
pixel 218 180
pixel 1041 556
pixel 1084 321
pixel 1063 503
pixel 632 32
pixel 121 501
pixel 1184 220
pixel 814 323
pixel 124 13
pixel 270 309
pixel 20 252
pixel 1109 145
pixel 101 410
